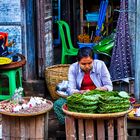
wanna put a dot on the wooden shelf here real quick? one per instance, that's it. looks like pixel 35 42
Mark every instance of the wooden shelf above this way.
pixel 85 23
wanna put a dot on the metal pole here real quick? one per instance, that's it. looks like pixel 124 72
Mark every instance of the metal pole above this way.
pixel 137 51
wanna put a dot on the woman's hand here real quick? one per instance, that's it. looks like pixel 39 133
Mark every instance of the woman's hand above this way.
pixel 83 91
pixel 101 88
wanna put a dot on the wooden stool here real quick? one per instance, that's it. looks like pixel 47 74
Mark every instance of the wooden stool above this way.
pixel 27 125
pixel 96 129
pixel 81 126
pixel 9 81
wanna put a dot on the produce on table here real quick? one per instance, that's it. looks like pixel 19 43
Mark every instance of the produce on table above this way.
pixel 123 94
pixel 84 38
pixel 135 112
pixel 34 104
pixel 99 102
pixel 132 113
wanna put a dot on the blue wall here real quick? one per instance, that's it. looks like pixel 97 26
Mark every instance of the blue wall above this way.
pixel 10 21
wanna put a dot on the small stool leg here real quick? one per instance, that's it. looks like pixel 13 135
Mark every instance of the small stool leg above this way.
pixel 18 78
pixel 12 82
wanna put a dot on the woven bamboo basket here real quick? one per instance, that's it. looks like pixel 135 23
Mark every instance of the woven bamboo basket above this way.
pixel 94 116
pixel 54 75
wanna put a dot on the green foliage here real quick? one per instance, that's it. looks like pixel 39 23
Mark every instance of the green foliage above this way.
pixel 96 101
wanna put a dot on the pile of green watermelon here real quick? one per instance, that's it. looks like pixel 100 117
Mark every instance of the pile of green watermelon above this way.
pixel 96 101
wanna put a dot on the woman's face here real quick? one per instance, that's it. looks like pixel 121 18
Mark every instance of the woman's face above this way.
pixel 86 64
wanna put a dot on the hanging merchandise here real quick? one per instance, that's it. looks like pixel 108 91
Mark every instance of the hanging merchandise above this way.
pixel 101 19
pixel 4 44
pixel 121 60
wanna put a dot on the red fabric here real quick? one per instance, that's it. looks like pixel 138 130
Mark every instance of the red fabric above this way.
pixel 5 37
pixel 87 83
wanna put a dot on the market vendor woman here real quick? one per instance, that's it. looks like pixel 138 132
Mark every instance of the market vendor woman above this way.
pixel 84 75
pixel 88 74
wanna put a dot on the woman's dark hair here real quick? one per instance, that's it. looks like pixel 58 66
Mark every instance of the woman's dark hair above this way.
pixel 85 52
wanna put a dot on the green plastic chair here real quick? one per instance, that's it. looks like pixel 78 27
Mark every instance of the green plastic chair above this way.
pixel 104 47
pixel 67 47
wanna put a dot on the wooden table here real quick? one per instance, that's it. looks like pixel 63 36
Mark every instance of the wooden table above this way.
pixel 87 126
pixel 34 126
pixel 15 65
pixel 133 126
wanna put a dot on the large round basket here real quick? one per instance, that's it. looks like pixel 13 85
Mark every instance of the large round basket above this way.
pixel 54 75
pixel 39 111
pixel 93 116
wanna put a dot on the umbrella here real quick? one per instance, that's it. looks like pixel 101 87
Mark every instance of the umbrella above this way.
pixel 121 60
